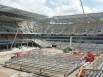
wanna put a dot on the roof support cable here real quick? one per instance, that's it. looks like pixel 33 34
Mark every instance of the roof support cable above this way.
pixel 82 6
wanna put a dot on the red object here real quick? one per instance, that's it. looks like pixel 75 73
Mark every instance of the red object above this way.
pixel 18 54
pixel 89 57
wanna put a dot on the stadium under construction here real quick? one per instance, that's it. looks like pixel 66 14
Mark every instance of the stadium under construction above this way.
pixel 34 45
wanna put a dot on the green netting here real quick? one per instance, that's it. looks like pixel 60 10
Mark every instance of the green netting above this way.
pixel 67 50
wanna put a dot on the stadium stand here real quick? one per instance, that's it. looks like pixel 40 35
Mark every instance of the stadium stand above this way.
pixel 81 29
pixel 57 29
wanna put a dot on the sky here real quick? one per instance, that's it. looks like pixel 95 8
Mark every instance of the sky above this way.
pixel 56 7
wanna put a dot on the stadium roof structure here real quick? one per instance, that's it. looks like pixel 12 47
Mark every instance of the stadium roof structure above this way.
pixel 80 17
pixel 9 13
pixel 14 14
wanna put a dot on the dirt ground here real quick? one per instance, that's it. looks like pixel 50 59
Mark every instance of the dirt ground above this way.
pixel 6 72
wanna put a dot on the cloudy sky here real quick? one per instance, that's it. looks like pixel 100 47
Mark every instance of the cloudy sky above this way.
pixel 56 7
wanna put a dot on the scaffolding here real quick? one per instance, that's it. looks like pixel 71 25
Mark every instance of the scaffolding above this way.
pixel 52 66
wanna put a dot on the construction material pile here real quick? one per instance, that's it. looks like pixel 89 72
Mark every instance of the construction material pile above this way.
pixel 53 66
pixel 95 69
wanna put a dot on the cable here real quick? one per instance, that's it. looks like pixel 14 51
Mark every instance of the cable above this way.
pixel 82 6
pixel 14 38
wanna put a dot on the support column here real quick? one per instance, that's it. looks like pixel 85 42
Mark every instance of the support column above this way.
pixel 27 44
pixel 7 46
pixel 32 44
pixel 70 44
pixel 21 43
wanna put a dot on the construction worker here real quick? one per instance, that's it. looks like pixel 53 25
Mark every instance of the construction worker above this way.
pixel 89 57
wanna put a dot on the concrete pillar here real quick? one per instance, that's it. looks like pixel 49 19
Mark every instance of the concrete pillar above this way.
pixel 70 44
pixel 7 46
pixel 32 44
pixel 27 44
pixel 21 43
